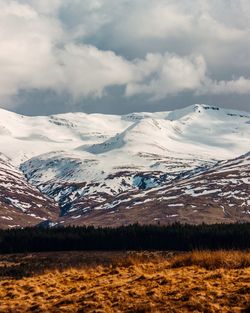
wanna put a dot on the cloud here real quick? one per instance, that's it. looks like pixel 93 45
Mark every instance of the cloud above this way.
pixel 168 19
pixel 49 7
pixel 159 20
pixel 238 86
pixel 156 48
pixel 27 41
pixel 88 71
pixel 171 74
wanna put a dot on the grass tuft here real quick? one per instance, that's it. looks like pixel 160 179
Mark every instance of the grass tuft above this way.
pixel 148 282
pixel 213 259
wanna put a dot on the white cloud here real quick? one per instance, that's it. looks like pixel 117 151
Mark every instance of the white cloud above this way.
pixel 157 20
pixel 45 6
pixel 210 29
pixel 167 19
pixel 174 46
pixel 171 74
pixel 238 86
pixel 26 49
pixel 87 70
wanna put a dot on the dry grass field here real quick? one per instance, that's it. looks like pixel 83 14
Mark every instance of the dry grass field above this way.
pixel 126 282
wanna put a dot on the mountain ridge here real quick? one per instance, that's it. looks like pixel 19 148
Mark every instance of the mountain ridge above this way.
pixel 84 162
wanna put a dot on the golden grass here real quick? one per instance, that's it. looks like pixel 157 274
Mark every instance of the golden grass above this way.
pixel 140 283
pixel 213 259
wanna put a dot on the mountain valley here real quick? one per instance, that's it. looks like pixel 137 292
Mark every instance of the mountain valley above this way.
pixel 190 165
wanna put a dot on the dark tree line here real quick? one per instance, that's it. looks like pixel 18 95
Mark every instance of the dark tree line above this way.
pixel 134 237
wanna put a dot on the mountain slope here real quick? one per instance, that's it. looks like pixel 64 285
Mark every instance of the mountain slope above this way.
pixel 87 162
pixel 198 130
pixel 20 203
pixel 220 194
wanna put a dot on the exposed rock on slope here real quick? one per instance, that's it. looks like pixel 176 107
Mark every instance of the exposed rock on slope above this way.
pixel 20 203
pixel 146 167
pixel 220 194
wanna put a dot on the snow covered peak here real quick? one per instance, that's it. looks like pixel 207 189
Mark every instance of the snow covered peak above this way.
pixel 85 161
pixel 201 111
pixel 199 130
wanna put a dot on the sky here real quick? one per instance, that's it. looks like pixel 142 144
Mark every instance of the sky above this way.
pixel 123 56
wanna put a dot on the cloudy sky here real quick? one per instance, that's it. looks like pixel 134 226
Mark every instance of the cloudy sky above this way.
pixel 120 56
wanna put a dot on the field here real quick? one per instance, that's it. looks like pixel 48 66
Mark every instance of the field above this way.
pixel 125 282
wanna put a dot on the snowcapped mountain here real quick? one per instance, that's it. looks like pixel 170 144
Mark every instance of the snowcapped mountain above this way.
pixel 93 165
pixel 21 204
pixel 219 194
